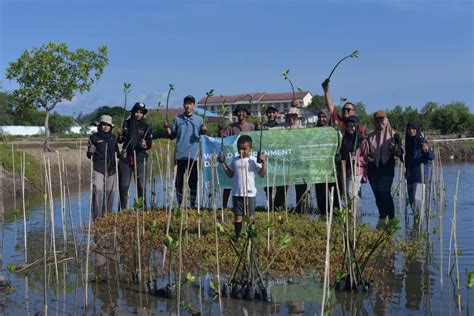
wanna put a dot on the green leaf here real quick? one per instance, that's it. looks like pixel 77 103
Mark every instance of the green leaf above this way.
pixel 169 242
pixel 355 54
pixel 458 252
pixel 138 204
pixel 171 87
pixel 220 227
pixel 214 285
pixel 190 277
pixel 470 279
pixel 210 93
pixel 11 267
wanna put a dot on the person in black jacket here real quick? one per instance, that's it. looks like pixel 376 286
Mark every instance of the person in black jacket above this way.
pixel 136 137
pixel 102 150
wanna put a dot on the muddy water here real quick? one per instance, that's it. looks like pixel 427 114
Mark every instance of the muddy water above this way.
pixel 415 286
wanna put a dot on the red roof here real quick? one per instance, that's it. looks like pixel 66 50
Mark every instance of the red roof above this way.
pixel 254 96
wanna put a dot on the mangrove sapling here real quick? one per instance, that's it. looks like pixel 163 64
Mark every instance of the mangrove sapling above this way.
pixel 293 103
pixel 79 174
pixel 13 176
pixel 53 230
pixel 170 88
pixel 168 222
pixel 126 91
pixel 354 54
pixel 170 244
pixel 209 94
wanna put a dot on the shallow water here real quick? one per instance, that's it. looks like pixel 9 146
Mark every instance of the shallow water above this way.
pixel 412 286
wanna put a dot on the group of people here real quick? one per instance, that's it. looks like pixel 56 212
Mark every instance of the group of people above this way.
pixel 361 158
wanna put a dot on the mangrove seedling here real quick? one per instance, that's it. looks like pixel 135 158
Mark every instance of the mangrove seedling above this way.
pixel 354 54
pixel 209 94
pixel 469 279
pixel 170 88
pixel 171 244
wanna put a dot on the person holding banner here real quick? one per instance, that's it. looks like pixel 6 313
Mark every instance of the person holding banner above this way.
pixel 354 149
pixel 417 155
pixel 277 197
pixel 136 137
pixel 322 197
pixel 384 146
pixel 242 170
pixel 186 129
pixel 242 125
pixel 292 120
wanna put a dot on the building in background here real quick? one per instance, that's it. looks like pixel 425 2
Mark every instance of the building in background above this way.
pixel 254 102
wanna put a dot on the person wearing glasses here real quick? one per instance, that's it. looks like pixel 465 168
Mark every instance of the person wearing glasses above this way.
pixel 348 109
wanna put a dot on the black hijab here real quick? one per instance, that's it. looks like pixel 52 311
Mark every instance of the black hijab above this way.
pixel 350 142
pixel 412 143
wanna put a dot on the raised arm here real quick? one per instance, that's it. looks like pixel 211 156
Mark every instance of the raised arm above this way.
pixel 327 96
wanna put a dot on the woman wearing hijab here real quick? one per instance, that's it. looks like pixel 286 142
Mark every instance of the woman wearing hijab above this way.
pixel 384 145
pixel 354 149
pixel 102 150
pixel 417 155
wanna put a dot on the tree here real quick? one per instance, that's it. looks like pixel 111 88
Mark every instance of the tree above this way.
pixel 52 74
pixel 427 113
pixel 452 118
pixel 6 109
pixel 317 103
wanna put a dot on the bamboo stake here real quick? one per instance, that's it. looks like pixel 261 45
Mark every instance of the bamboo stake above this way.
pixel 79 175
pixel 199 167
pixel 327 261
pixel 217 252
pixel 25 232
pixel 14 180
pixel 63 208
pixel 170 210
pixel 454 225
pixel 88 239
pixel 53 230
pixel 45 254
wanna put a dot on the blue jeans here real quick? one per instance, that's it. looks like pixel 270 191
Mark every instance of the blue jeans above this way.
pixel 382 188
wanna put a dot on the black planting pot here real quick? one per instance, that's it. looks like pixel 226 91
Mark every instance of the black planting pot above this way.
pixel 237 290
pixel 266 294
pixel 226 289
pixel 170 291
pixel 250 292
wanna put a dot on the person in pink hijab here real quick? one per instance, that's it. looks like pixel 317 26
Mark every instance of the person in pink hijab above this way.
pixel 384 146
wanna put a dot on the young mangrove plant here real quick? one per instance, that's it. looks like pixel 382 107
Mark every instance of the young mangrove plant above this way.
pixel 209 94
pixel 170 88
pixel 354 54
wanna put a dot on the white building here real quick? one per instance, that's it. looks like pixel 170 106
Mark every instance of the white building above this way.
pixel 255 101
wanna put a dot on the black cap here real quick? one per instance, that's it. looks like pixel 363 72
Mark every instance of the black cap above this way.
pixel 189 99
pixel 271 108
pixel 240 107
pixel 139 107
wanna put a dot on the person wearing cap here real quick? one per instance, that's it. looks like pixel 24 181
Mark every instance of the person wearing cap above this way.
pixel 324 120
pixel 383 147
pixel 354 149
pixel 348 109
pixel 136 137
pixel 187 129
pixel 103 151
pixel 292 121
pixel 242 125
pixel 277 196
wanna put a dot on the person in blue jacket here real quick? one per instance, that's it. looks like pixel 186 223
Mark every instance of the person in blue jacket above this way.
pixel 417 155
pixel 187 129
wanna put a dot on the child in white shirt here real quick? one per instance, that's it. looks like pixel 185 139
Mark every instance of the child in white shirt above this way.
pixel 242 171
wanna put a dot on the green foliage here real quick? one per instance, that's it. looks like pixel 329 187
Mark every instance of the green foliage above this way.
pixel 33 166
pixel 156 121
pixel 60 123
pixel 470 279
pixel 190 277
pixel 317 103
pixel 452 118
pixel 11 267
pixel 52 74
pixel 6 108
pixel 117 113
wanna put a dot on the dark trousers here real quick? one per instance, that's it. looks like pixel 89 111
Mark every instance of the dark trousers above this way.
pixel 322 197
pixel 125 176
pixel 382 187
pixel 225 197
pixel 191 167
pixel 279 200
pixel 301 198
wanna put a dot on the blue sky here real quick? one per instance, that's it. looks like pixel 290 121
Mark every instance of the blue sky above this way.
pixel 411 51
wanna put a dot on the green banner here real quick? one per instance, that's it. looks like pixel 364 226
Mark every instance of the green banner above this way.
pixel 294 156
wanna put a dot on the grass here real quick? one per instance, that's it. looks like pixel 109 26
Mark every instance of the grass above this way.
pixel 33 167
pixel 304 253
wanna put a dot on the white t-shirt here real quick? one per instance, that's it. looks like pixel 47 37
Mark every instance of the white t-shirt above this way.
pixel 243 182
